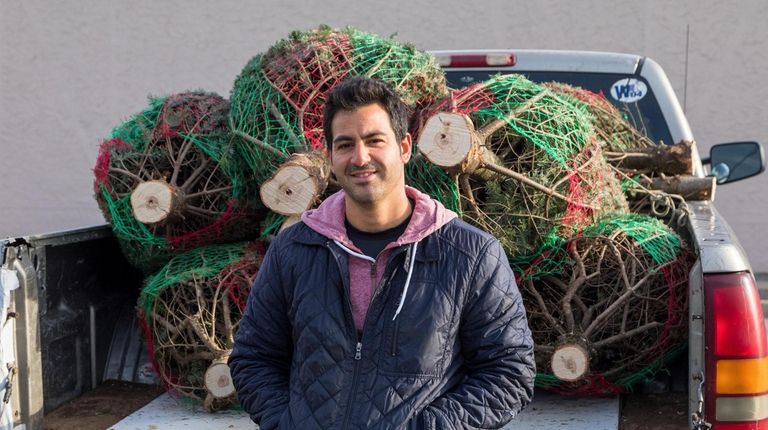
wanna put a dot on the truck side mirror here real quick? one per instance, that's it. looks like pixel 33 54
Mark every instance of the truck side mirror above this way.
pixel 731 162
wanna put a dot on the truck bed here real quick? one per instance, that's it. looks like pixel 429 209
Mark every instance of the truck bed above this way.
pixel 117 405
pixel 105 391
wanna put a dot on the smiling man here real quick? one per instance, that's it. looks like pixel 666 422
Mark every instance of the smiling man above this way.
pixel 381 309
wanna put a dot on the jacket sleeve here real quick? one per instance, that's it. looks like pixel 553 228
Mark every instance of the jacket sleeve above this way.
pixel 261 357
pixel 498 351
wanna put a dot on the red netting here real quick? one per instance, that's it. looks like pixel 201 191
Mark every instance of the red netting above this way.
pixel 676 276
pixel 279 98
pixel 101 170
pixel 304 75
pixel 463 101
pixel 238 277
pixel 618 290
pixel 591 189
pixel 225 225
pixel 533 173
pixel 178 151
pixel 611 127
pixel 192 309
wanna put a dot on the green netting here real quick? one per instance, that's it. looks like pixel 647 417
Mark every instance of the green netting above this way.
pixel 613 130
pixel 415 75
pixel 141 253
pixel 653 236
pixel 434 181
pixel 182 143
pixel 648 372
pixel 534 113
pixel 198 264
pixel 272 224
pixel 619 289
pixel 524 130
pixel 190 311
pixel 137 130
pixel 278 99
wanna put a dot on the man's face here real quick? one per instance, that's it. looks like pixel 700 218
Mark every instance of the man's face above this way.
pixel 366 157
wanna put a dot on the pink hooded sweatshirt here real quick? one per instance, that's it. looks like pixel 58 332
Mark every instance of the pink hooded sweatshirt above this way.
pixel 364 272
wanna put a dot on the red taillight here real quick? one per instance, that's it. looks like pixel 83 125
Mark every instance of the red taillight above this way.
pixel 735 353
pixel 739 326
pixel 477 60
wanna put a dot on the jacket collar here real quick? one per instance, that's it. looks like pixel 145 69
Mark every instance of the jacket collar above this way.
pixel 429 247
pixel 427 217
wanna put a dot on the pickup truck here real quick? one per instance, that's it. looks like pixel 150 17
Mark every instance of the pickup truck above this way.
pixel 68 298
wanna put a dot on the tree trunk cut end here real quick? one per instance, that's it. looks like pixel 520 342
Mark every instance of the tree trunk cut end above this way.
pixel 297 184
pixel 447 139
pixel 153 201
pixel 570 362
pixel 218 380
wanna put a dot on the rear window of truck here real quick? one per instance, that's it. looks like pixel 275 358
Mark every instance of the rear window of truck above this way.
pixel 644 113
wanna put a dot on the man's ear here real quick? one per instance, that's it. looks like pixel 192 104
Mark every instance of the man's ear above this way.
pixel 406 145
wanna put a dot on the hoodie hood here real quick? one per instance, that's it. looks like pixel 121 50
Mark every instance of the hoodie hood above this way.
pixel 428 215
pixel 328 219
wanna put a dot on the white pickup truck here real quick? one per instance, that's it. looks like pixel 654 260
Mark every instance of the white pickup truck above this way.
pixel 68 298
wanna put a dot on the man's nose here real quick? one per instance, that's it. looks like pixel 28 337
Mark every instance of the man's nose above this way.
pixel 360 156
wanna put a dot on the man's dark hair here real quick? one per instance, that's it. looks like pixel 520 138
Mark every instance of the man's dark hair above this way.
pixel 361 91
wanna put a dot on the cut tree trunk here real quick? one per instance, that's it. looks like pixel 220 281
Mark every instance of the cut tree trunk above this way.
pixel 689 187
pixel 218 380
pixel 298 184
pixel 154 202
pixel 570 362
pixel 449 140
pixel 659 159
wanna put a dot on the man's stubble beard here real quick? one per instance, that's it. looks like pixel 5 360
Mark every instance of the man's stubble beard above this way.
pixel 368 195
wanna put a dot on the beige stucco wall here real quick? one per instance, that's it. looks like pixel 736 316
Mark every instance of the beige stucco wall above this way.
pixel 70 71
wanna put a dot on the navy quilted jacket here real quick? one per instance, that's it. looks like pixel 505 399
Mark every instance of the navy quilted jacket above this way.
pixel 459 354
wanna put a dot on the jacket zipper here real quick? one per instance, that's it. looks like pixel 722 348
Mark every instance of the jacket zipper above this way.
pixel 353 388
pixel 359 351
pixel 359 343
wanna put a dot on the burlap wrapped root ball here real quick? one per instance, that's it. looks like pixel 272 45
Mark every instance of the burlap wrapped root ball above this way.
pixel 191 310
pixel 608 307
pixel 169 179
pixel 528 164
pixel 279 97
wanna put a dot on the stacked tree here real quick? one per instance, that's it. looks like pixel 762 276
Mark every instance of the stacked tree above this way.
pixel 611 128
pixel 167 180
pixel 604 288
pixel 528 164
pixel 649 172
pixel 607 307
pixel 278 101
pixel 548 169
pixel 191 309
